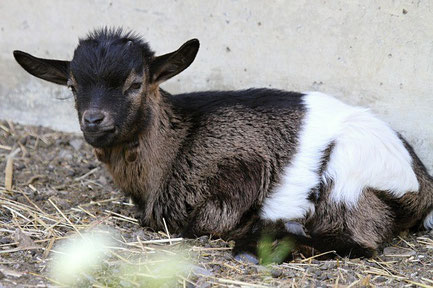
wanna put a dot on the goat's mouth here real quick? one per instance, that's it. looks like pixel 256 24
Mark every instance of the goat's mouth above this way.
pixel 100 138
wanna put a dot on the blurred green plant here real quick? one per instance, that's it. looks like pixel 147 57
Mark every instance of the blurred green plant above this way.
pixel 274 251
pixel 90 260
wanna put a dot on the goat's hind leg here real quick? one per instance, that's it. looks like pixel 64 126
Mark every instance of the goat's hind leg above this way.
pixel 415 209
pixel 351 231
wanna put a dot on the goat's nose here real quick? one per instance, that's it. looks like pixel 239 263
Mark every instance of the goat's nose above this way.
pixel 93 117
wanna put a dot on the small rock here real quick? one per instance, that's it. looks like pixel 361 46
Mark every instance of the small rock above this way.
pixel 398 252
pixel 381 279
pixel 324 266
pixel 246 257
pixel 2 275
pixel 123 283
pixel 65 154
pixel 23 140
pixel 23 239
pixel 197 270
pixel 203 283
pixel 262 269
pixel 102 180
pixel 203 239
pixel 71 173
pixel 76 143
pixel 21 199
pixel 5 240
pixel 251 270
pixel 19 166
pixel 275 273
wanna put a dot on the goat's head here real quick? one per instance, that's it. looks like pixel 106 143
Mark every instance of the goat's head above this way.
pixel 114 77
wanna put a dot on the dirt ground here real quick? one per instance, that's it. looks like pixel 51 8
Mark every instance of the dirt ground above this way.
pixel 59 188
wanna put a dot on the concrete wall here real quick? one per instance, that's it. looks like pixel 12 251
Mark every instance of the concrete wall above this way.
pixel 374 53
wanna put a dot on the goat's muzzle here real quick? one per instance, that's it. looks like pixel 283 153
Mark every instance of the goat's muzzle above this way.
pixel 98 127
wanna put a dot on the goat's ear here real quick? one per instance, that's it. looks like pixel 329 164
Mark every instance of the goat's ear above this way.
pixel 166 66
pixel 55 71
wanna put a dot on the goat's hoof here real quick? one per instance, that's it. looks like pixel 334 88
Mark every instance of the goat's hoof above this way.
pixel 247 257
pixel 295 228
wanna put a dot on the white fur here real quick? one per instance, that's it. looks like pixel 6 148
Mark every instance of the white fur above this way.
pixel 366 153
pixel 428 221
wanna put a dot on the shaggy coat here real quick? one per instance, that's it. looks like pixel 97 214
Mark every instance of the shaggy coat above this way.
pixel 237 164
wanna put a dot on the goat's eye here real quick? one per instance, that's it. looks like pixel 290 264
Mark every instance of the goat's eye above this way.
pixel 72 89
pixel 134 87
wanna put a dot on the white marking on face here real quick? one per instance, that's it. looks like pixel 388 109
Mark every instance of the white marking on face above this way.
pixel 366 153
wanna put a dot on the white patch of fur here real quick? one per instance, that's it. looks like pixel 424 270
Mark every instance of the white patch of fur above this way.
pixel 366 153
pixel 428 221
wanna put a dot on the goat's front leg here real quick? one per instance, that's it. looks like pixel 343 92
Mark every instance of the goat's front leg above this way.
pixel 233 192
pixel 215 216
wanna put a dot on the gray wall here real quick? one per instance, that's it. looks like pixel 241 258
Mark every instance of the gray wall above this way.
pixel 374 53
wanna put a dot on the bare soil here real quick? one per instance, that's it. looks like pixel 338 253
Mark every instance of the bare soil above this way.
pixel 59 188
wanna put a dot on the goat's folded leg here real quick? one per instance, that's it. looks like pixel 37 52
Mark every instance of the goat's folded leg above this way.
pixel 215 216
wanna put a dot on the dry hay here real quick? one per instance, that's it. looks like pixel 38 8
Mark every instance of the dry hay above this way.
pixel 54 189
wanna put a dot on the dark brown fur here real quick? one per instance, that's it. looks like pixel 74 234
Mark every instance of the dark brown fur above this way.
pixel 187 160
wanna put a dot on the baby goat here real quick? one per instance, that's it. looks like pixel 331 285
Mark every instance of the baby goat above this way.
pixel 237 163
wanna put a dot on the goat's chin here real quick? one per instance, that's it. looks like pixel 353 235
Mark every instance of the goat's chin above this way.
pixel 100 140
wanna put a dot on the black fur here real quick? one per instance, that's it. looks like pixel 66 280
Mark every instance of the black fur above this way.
pixel 107 56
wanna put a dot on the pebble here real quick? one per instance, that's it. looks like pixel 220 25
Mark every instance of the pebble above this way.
pixel 19 166
pixel 262 269
pixel 197 270
pixel 251 270
pixel 65 154
pixel 102 180
pixel 399 252
pixel 201 283
pixel 324 266
pixel 381 279
pixel 76 143
pixel 246 257
pixel 276 273
pixel 23 140
pixel 71 173
pixel 5 240
pixel 203 239
pixel 123 283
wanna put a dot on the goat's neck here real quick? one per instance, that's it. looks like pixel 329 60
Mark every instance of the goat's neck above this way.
pixel 140 167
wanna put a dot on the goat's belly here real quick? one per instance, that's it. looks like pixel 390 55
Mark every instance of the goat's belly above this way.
pixel 343 145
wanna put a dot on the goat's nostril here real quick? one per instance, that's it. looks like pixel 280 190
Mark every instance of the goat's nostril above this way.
pixel 93 117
